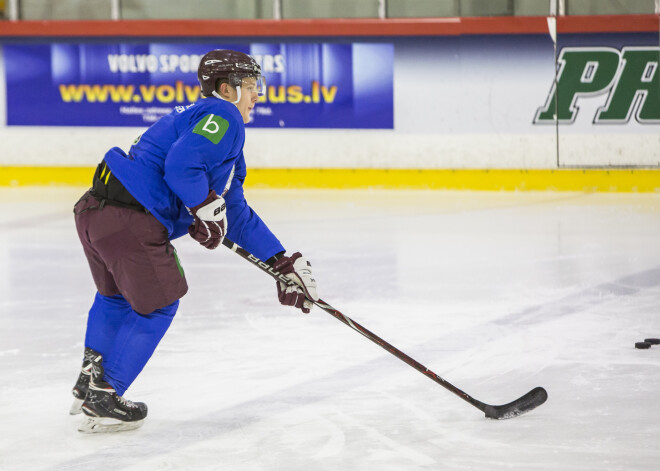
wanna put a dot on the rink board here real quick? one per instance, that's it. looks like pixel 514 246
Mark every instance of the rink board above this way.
pixel 467 93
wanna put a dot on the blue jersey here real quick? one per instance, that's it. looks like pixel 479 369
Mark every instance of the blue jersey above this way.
pixel 174 164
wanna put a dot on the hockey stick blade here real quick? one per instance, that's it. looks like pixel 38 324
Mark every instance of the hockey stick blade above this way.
pixel 529 401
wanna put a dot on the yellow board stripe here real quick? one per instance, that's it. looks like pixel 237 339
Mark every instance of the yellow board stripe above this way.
pixel 615 180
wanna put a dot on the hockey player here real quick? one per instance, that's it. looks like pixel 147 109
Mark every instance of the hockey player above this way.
pixel 185 174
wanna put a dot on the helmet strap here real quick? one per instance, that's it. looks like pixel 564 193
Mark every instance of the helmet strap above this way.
pixel 238 91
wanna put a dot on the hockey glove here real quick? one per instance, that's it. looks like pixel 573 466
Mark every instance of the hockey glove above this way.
pixel 210 221
pixel 299 270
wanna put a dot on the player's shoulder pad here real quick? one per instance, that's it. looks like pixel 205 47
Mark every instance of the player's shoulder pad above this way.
pixel 215 118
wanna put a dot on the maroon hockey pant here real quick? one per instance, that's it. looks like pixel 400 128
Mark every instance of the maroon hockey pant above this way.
pixel 130 254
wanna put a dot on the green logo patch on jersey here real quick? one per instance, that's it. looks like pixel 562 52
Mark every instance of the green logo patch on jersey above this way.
pixel 212 127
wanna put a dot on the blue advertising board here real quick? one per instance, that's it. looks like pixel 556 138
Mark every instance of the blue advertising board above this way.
pixel 319 85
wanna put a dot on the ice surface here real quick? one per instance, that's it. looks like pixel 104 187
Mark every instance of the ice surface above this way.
pixel 495 292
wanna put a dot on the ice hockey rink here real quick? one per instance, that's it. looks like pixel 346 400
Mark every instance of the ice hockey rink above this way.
pixel 496 292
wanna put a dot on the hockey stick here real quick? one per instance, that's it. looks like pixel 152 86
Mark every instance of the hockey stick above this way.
pixel 529 401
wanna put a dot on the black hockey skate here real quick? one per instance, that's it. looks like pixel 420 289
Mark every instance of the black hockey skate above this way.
pixel 105 410
pixel 79 391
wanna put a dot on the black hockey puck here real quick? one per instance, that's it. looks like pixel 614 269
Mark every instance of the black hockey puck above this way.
pixel 652 341
pixel 642 345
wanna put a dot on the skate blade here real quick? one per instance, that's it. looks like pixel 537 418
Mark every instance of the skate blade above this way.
pixel 107 425
pixel 76 407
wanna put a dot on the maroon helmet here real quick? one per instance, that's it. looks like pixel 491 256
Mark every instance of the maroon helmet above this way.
pixel 232 66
